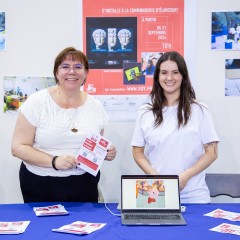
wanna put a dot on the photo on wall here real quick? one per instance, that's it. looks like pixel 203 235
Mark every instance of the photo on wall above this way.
pixel 149 61
pixel 132 74
pixel 2 31
pixel 18 88
pixel 225 33
pixel 232 77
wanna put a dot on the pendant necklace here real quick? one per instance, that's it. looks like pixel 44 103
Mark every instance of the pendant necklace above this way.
pixel 74 130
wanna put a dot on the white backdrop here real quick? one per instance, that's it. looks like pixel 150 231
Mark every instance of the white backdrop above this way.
pixel 38 30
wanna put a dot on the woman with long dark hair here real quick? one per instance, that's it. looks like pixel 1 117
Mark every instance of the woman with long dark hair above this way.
pixel 174 133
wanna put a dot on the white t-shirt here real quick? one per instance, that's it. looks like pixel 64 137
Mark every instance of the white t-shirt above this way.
pixel 171 150
pixel 53 127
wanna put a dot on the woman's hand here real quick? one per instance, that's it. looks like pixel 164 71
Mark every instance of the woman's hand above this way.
pixel 65 162
pixel 111 154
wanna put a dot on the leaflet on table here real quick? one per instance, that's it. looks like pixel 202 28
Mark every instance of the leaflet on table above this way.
pixel 227 228
pixel 92 153
pixel 13 227
pixel 50 210
pixel 80 227
pixel 219 213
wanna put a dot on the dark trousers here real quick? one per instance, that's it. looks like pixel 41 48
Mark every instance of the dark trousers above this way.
pixel 76 188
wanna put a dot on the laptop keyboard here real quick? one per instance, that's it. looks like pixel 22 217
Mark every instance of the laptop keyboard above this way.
pixel 153 216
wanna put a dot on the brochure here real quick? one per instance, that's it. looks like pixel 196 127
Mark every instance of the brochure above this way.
pixel 227 228
pixel 219 213
pixel 50 210
pixel 13 227
pixel 80 227
pixel 92 153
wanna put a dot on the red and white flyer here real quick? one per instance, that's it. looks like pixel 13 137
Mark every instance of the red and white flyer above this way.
pixel 92 153
pixel 227 228
pixel 80 227
pixel 219 213
pixel 50 210
pixel 13 227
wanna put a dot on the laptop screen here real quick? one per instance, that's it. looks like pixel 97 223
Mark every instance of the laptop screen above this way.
pixel 146 192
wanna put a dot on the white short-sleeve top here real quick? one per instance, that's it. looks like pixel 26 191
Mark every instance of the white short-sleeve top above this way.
pixel 53 127
pixel 171 150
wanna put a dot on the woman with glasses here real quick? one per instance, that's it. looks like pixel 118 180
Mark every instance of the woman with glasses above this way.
pixel 174 132
pixel 50 129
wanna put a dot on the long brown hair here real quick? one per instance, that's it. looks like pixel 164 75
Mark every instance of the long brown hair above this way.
pixel 187 93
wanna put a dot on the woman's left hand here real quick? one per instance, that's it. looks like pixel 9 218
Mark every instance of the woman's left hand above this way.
pixel 111 153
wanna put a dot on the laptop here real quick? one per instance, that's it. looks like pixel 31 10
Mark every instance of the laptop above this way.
pixel 151 200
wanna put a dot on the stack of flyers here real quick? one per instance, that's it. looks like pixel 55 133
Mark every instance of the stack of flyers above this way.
pixel 219 213
pixel 227 228
pixel 13 227
pixel 80 227
pixel 50 210
pixel 92 153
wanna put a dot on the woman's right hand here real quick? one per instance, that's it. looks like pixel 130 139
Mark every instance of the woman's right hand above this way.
pixel 65 162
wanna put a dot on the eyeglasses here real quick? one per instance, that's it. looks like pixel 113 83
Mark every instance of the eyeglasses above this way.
pixel 65 68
